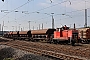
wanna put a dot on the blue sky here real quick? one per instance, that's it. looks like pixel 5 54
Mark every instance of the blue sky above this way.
pixel 73 10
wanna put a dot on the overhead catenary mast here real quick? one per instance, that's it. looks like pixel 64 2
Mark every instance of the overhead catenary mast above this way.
pixel 29 24
pixel 85 18
pixel 0 27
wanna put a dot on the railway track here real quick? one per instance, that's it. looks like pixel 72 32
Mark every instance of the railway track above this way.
pixel 50 54
pixel 45 50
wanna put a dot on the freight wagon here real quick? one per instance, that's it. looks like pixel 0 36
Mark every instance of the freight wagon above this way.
pixel 84 34
pixel 43 34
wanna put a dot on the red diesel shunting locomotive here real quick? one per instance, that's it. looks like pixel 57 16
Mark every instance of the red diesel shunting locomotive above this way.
pixel 66 35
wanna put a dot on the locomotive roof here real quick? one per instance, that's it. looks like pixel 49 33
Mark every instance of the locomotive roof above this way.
pixel 42 31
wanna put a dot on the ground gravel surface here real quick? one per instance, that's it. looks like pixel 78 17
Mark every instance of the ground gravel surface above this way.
pixel 16 54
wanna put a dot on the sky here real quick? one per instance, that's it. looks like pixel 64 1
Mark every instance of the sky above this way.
pixel 15 14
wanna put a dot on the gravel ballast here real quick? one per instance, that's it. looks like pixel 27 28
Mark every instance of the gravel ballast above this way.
pixel 16 54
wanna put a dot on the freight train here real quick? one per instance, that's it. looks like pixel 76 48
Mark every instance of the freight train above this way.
pixel 59 35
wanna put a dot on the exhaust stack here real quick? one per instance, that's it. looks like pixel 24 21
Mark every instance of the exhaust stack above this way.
pixel 74 26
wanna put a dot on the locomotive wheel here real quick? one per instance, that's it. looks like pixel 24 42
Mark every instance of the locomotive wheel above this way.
pixel 55 42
